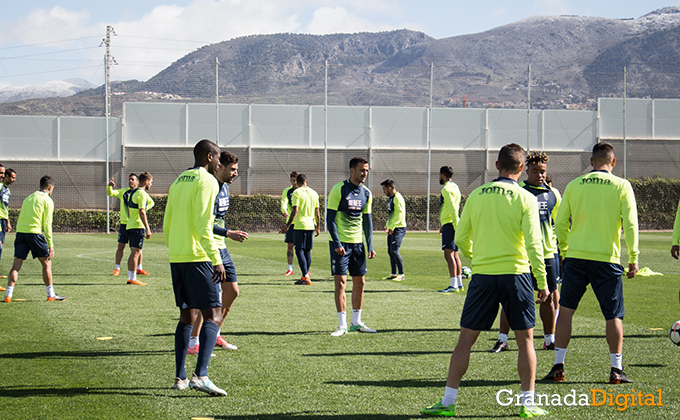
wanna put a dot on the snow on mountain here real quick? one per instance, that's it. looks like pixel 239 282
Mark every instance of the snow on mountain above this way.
pixel 56 88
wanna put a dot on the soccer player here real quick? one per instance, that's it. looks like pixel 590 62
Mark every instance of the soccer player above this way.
pixel 34 233
pixel 138 201
pixel 548 203
pixel 596 205
pixel 449 204
pixel 306 218
pixel 349 212
pixel 8 177
pixel 225 175
pixel 195 262
pixel 395 228
pixel 503 218
pixel 133 182
pixel 286 208
pixel 675 247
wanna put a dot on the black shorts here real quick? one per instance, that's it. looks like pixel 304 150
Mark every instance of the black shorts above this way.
pixel 304 239
pixel 3 230
pixel 229 267
pixel 353 261
pixel 512 291
pixel 34 242
pixel 136 237
pixel 551 269
pixel 605 278
pixel 193 285
pixel 289 238
pixel 448 237
pixel 123 235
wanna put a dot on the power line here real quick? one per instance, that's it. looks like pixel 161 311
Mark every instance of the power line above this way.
pixel 47 43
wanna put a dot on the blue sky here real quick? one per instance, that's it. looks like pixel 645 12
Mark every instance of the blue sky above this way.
pixel 47 40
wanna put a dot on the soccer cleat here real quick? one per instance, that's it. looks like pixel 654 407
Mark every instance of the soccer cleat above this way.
pixel 2 289
pixel 550 346
pixel 340 331
pixel 305 281
pixel 400 277
pixel 116 272
pixel 556 373
pixel 203 384
pixel 499 347
pixel 461 289
pixel 193 350
pixel 449 289
pixel 180 384
pixel 440 410
pixel 136 282
pixel 2 277
pixel 55 298
pixel 7 299
pixel 390 277
pixel 143 273
pixel 533 411
pixel 361 328
pixel 618 377
pixel 221 342
pixel 288 273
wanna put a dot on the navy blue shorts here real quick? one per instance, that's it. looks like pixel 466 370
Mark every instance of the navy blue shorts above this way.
pixel 394 240
pixel 448 237
pixel 3 230
pixel 605 278
pixel 229 267
pixel 558 267
pixel 289 238
pixel 193 285
pixel 34 242
pixel 304 239
pixel 123 237
pixel 551 269
pixel 512 291
pixel 353 261
pixel 136 237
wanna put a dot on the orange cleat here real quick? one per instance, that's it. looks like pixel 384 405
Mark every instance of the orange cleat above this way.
pixel 136 282
pixel 142 273
pixel 116 272
pixel 289 273
pixel 7 299
pixel 2 289
pixel 55 298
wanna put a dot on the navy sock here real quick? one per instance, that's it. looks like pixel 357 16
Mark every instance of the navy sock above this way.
pixel 207 338
pixel 302 260
pixel 182 337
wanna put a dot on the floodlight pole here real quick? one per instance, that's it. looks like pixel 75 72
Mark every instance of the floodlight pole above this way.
pixel 325 142
pixel 528 108
pixel 108 60
pixel 625 157
pixel 217 101
pixel 429 151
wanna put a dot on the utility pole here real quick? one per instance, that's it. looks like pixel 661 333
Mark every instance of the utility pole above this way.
pixel 108 60
pixel 625 155
pixel 217 101
pixel 528 107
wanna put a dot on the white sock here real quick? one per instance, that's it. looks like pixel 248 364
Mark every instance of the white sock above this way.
pixel 117 266
pixel 557 313
pixel 453 282
pixel 356 316
pixel 193 341
pixel 560 355
pixel 132 275
pixel 503 337
pixel 459 279
pixel 617 360
pixel 342 317
pixel 450 396
pixel 139 267
pixel 10 290
pixel 50 290
pixel 549 338
pixel 528 398
pixel 290 267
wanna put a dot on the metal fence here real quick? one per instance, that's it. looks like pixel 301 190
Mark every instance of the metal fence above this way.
pixel 407 144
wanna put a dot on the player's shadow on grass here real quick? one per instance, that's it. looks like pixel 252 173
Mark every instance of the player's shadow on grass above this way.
pixel 378 353
pixel 426 383
pixel 321 415
pixel 82 354
pixel 46 391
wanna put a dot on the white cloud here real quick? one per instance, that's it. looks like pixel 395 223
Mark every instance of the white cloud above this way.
pixel 552 7
pixel 44 25
pixel 329 20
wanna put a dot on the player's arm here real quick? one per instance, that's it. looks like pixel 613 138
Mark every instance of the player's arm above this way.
pixel 142 212
pixel 629 220
pixel 149 203
pixel 464 229
pixel 675 246
pixel 47 225
pixel 284 203
pixel 367 224
pixel 206 193
pixel 292 216
pixel 558 200
pixel 167 217
pixel 317 220
pixel 562 224
pixel 109 189
pixel 331 212
pixel 533 240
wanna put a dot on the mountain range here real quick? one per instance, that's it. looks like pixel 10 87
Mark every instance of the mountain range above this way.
pixel 572 59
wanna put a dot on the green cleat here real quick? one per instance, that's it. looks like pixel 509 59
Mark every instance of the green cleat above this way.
pixel 533 411
pixel 361 328
pixel 440 410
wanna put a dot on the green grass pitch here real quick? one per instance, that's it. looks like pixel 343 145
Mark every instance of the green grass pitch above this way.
pixel 287 366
